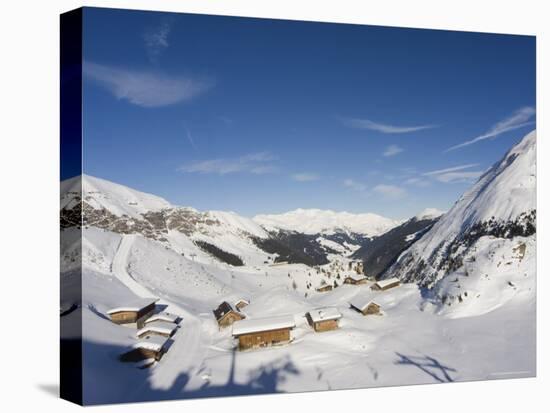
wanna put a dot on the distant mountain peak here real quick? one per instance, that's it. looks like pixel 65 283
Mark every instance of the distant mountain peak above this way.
pixel 317 221
pixel 429 213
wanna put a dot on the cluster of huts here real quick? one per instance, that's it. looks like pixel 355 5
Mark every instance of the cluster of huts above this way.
pixel 360 279
pixel 270 331
pixel 153 330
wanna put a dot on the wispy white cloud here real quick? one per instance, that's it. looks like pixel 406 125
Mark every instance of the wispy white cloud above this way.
pixel 463 176
pixel 451 169
pixel 417 182
pixel 226 120
pixel 389 191
pixel 146 89
pixel 392 150
pixel 264 169
pixel 305 177
pixel 516 120
pixel 189 137
pixel 384 190
pixel 382 127
pixel 255 163
pixel 156 39
pixel 455 174
pixel 356 186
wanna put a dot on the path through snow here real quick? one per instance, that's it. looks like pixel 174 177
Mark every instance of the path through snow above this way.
pixel 187 351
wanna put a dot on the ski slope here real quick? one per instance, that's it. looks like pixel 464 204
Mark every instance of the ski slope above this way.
pixel 120 268
pixel 187 346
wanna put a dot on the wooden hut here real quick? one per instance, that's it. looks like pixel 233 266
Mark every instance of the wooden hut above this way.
pixel 383 285
pixel 355 279
pixel 135 311
pixel 157 328
pixel 365 305
pixel 163 316
pixel 240 304
pixel 263 332
pixel 323 319
pixel 150 348
pixel 225 315
pixel 324 288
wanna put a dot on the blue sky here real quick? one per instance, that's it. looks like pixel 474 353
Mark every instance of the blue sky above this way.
pixel 266 116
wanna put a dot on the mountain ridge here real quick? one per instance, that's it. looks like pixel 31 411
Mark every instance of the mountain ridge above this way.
pixel 500 206
pixel 225 235
pixel 318 221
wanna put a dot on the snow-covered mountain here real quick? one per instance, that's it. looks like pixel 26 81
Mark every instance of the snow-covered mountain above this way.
pixel 429 213
pixel 118 199
pixel 496 217
pixel 317 221
pixel 227 236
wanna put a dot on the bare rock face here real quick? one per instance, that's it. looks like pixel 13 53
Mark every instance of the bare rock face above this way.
pixel 152 224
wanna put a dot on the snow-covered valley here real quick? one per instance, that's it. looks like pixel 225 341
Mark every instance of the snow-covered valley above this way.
pixel 465 312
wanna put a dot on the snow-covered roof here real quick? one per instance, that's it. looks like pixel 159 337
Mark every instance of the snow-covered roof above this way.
pixel 324 314
pixel 145 363
pixel 263 324
pixel 133 305
pixel 362 301
pixel 162 327
pixel 357 277
pixel 170 318
pixel 242 300
pixel 154 343
pixel 386 282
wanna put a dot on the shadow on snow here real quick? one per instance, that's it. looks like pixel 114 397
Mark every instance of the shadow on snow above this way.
pixel 124 383
pixel 428 365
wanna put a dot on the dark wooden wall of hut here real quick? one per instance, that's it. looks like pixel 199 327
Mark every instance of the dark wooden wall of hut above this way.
pixel 325 325
pixel 229 319
pixel 264 338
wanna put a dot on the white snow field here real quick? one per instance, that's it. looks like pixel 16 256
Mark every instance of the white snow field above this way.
pixel 489 333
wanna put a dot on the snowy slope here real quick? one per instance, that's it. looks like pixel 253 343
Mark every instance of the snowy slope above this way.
pixel 316 221
pixel 501 205
pixel 119 199
pixel 233 220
